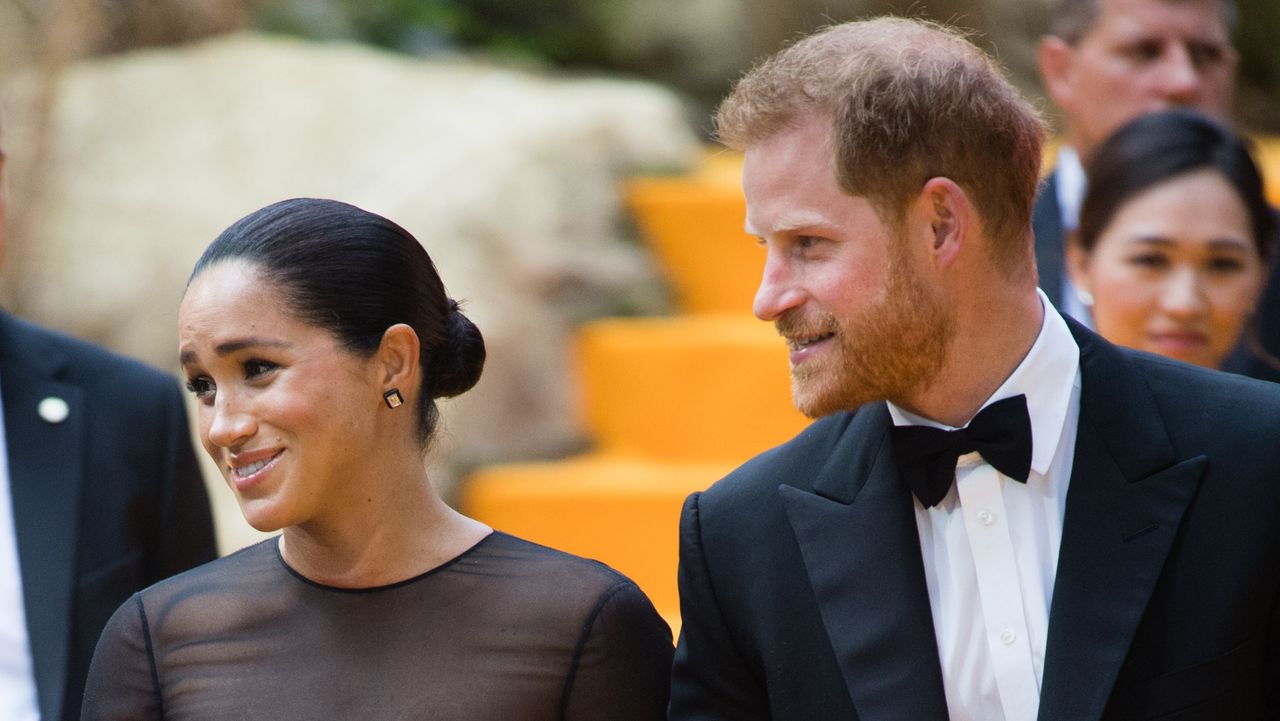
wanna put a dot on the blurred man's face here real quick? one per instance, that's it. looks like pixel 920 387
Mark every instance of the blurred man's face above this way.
pixel 1138 57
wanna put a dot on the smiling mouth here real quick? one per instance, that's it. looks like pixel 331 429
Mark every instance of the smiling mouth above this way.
pixel 796 343
pixel 252 468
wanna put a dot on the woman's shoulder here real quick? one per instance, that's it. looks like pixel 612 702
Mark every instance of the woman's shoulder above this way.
pixel 236 574
pixel 558 579
pixel 528 560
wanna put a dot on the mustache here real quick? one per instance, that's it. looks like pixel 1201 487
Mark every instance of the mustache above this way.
pixel 799 325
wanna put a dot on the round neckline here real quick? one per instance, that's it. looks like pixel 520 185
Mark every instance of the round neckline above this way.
pixel 275 547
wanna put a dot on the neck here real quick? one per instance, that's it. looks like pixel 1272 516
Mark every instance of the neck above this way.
pixel 993 336
pixel 401 531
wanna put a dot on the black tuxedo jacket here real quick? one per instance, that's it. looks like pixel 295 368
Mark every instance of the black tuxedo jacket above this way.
pixel 1258 350
pixel 105 502
pixel 803 592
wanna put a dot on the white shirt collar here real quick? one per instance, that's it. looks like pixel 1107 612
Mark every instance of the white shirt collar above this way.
pixel 1045 376
pixel 1072 184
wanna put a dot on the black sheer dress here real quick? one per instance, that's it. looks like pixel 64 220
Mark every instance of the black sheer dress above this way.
pixel 509 630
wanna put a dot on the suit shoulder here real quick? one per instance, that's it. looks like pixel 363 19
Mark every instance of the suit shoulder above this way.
pixel 1171 380
pixel 1205 400
pixel 86 364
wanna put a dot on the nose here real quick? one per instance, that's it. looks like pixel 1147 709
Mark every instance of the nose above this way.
pixel 1183 295
pixel 778 293
pixel 229 426
pixel 1179 79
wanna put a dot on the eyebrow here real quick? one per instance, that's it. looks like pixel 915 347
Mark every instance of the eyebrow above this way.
pixel 796 224
pixel 223 349
pixel 1216 243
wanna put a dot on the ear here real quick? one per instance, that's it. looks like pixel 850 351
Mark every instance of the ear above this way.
pixel 948 216
pixel 1078 264
pixel 1056 61
pixel 397 360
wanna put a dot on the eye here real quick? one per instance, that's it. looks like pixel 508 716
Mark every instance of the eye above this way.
pixel 1206 55
pixel 256 368
pixel 202 387
pixel 1145 51
pixel 1149 261
pixel 807 241
pixel 1225 264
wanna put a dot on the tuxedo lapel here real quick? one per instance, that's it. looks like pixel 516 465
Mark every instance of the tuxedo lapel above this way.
pixel 45 473
pixel 1125 502
pixel 857 535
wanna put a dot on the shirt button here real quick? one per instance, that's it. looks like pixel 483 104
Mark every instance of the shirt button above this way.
pixel 986 517
pixel 1007 637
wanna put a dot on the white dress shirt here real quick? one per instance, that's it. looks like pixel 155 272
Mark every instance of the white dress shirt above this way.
pixel 1071 186
pixel 17 678
pixel 990 548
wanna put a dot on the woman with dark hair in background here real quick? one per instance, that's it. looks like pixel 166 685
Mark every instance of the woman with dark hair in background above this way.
pixel 1174 237
pixel 316 337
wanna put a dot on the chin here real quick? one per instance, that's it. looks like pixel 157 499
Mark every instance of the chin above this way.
pixel 262 517
pixel 818 401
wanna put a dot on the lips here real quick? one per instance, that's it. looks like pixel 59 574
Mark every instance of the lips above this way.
pixel 1180 340
pixel 802 342
pixel 247 469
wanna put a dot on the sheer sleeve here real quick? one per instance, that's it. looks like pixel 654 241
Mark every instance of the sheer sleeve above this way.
pixel 122 681
pixel 622 669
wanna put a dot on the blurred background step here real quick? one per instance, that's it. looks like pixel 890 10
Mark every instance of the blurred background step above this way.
pixel 706 387
pixel 624 512
pixel 694 226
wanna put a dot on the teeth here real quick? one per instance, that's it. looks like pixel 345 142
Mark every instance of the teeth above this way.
pixel 252 468
pixel 798 343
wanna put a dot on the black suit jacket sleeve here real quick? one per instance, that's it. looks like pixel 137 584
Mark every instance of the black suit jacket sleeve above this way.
pixel 710 678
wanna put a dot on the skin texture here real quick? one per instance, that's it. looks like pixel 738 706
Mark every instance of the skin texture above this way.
pixel 344 477
pixel 838 282
pixel 1139 56
pixel 1176 271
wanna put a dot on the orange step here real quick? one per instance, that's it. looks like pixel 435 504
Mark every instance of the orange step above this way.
pixel 714 388
pixel 694 227
pixel 623 512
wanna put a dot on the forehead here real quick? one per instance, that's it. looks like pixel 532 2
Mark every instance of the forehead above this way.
pixel 1200 206
pixel 1193 18
pixel 788 178
pixel 230 296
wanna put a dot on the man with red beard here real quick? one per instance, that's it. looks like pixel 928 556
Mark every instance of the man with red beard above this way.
pixel 999 515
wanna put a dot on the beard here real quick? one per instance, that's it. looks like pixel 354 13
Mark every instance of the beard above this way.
pixel 890 350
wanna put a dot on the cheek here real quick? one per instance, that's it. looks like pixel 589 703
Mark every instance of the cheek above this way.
pixel 1122 303
pixel 1234 302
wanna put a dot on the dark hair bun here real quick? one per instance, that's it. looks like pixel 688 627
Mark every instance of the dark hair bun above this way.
pixel 457 363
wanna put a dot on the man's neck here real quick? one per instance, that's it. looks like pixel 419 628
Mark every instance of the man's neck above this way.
pixel 989 344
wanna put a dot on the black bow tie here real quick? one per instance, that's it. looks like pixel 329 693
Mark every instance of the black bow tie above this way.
pixel 926 457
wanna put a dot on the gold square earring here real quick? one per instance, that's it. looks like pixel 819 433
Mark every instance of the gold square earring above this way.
pixel 393 398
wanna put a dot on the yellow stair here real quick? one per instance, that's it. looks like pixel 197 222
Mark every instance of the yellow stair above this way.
pixel 673 403
pixel 689 388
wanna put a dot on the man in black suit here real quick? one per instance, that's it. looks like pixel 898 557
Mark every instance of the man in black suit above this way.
pixel 101 496
pixel 1104 62
pixel 999 515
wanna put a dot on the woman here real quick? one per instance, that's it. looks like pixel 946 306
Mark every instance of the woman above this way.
pixel 315 337
pixel 1173 239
